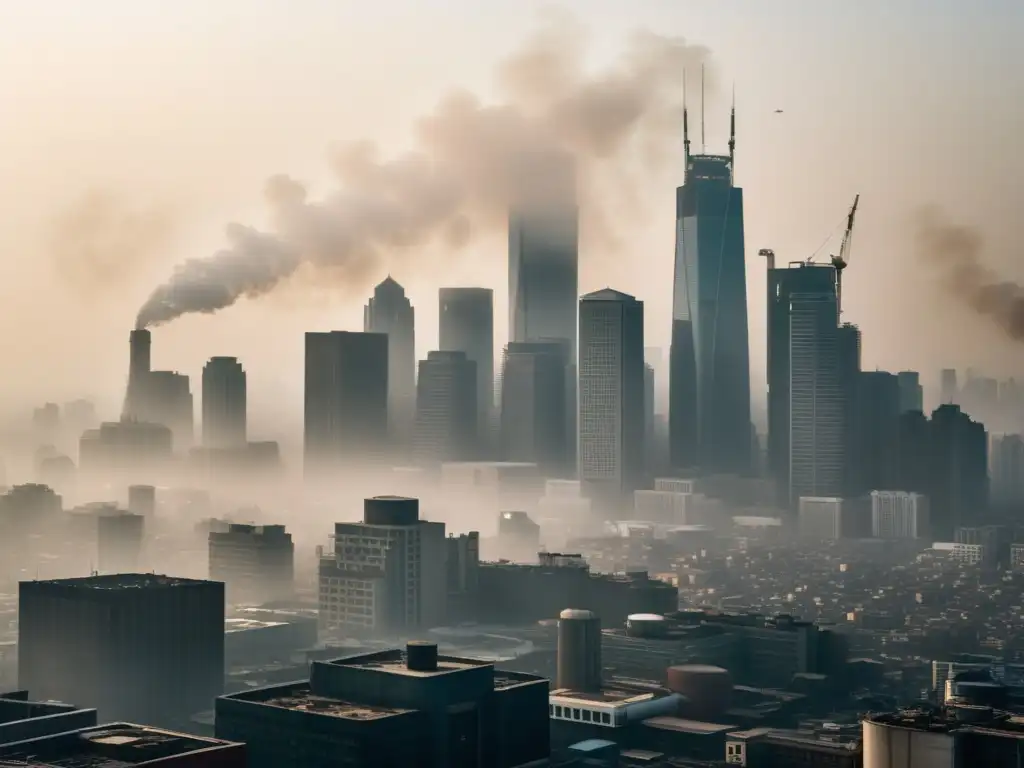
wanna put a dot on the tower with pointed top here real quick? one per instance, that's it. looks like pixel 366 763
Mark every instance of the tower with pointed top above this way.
pixel 709 375
pixel 390 312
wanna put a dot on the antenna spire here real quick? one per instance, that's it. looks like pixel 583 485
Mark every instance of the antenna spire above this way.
pixel 702 145
pixel 732 129
pixel 686 127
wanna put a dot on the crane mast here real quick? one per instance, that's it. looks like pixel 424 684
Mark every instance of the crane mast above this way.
pixel 842 261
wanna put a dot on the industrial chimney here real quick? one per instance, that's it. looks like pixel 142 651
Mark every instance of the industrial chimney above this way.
pixel 139 366
pixel 579 651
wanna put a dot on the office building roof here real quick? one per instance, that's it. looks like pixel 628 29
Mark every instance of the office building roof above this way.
pixel 124 581
pixel 116 745
pixel 302 699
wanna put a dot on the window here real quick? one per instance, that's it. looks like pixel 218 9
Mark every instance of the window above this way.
pixel 586 715
pixel 575 714
pixel 551 709
pixel 558 711
pixel 606 718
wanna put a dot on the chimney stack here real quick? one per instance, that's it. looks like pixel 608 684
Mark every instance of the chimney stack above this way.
pixel 140 342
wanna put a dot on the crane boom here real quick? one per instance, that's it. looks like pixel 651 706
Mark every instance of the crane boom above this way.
pixel 842 261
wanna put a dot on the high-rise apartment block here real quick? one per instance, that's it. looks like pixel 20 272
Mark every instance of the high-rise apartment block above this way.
pixel 709 379
pixel 446 409
pixel 899 515
pixel 611 396
pixel 466 324
pixel 390 312
pixel 346 398
pixel 224 403
pixel 133 646
pixel 255 562
pixel 1007 470
pixel 386 574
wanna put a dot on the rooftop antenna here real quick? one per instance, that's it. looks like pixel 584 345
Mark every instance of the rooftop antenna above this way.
pixel 686 125
pixel 732 128
pixel 702 145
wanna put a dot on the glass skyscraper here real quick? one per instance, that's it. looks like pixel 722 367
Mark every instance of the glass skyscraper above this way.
pixel 709 381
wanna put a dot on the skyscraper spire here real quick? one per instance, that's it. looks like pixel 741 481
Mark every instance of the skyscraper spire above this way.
pixel 703 146
pixel 686 127
pixel 732 128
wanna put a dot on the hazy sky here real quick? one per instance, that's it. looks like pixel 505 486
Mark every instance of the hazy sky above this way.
pixel 134 130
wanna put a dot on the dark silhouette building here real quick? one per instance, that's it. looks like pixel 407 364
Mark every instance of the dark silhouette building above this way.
pixel 390 312
pixel 466 324
pixel 877 431
pixel 911 391
pixel 709 383
pixel 224 403
pixel 534 404
pixel 140 644
pixel 958 490
pixel 346 398
pixel 393 708
pixel 446 409
pixel 611 397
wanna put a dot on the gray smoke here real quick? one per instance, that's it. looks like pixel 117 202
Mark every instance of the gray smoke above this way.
pixel 470 164
pixel 956 250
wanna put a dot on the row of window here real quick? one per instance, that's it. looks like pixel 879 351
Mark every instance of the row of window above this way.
pixel 579 715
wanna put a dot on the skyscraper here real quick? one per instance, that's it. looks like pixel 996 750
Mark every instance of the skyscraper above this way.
pixel 543 253
pixel 466 320
pixel 611 402
pixel 782 284
pixel 709 378
pixel 958 473
pixel 533 404
pixel 817 398
pixel 911 391
pixel 446 409
pixel 224 403
pixel 389 311
pixel 877 431
pixel 947 385
pixel 346 409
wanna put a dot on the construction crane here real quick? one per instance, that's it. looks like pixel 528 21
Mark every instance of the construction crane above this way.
pixel 842 261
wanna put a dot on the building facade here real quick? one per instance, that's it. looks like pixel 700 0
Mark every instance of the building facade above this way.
pixel 346 398
pixel 534 405
pixel 255 562
pixel 611 397
pixel 899 515
pixel 224 403
pixel 446 409
pixel 390 312
pixel 466 324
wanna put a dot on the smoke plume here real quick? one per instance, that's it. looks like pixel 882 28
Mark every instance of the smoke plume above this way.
pixel 472 160
pixel 100 240
pixel 956 250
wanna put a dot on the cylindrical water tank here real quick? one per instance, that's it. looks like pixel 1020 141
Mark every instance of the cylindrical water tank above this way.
pixel 421 656
pixel 646 625
pixel 579 651
pixel 892 745
pixel 708 689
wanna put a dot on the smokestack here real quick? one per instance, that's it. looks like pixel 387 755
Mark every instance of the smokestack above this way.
pixel 579 651
pixel 140 344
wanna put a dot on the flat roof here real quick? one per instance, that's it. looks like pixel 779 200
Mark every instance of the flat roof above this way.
pixel 302 699
pixel 123 581
pixel 244 625
pixel 114 745
pixel 683 725
pixel 394 662
pixel 606 698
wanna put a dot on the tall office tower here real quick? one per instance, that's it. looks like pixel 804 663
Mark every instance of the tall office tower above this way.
pixel 649 407
pixel 876 431
pixel 118 541
pixel 466 320
pixel 911 391
pixel 170 403
pixel 140 342
pixel 958 471
pixel 543 253
pixel 255 562
pixel 446 409
pixel 1007 470
pixel 817 398
pixel 611 402
pixel 346 402
pixel 389 311
pixel 224 403
pixel 386 574
pixel 798 278
pixel 948 391
pixel 709 377
pixel 533 405
pixel 134 646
